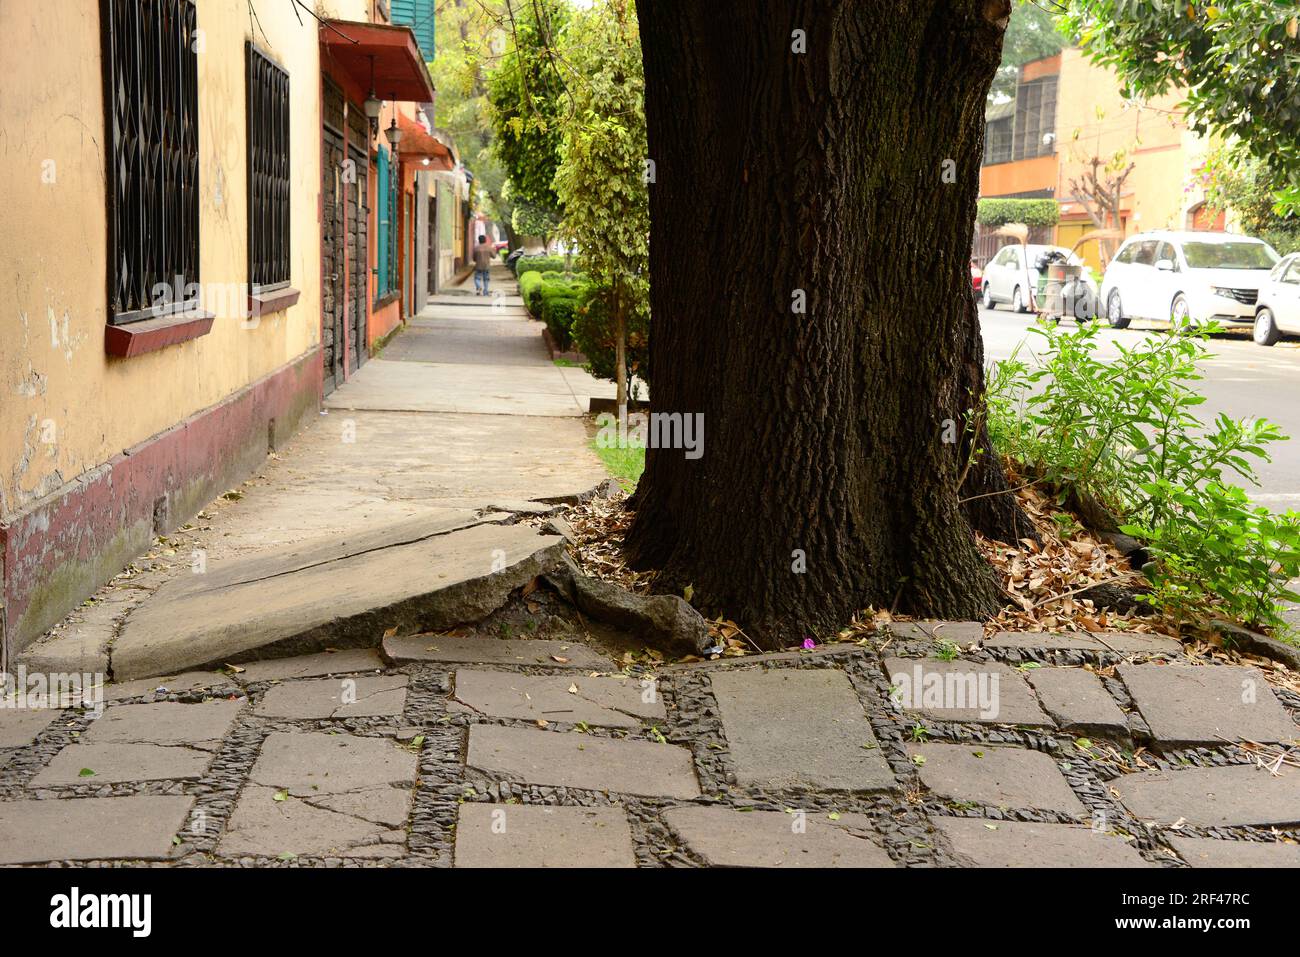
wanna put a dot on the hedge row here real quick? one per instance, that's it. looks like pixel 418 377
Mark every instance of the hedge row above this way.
pixel 543 264
pixel 1032 212
pixel 553 297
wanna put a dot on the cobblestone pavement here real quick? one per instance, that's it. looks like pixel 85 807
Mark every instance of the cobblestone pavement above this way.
pixel 453 751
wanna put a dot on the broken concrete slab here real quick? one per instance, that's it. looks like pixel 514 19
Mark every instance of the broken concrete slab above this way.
pixel 319 794
pixel 323 698
pixel 1208 852
pixel 336 600
pixel 792 727
pixel 1124 643
pixel 340 662
pixel 1001 777
pixel 495 651
pixel 200 725
pixel 665 622
pixel 140 827
pixel 575 760
pixel 1078 701
pixel 980 843
pixel 19 727
pixel 1240 794
pixel 968 691
pixel 1186 705
pixel 531 835
pixel 606 701
pixel 115 763
pixel 78 650
pixel 728 837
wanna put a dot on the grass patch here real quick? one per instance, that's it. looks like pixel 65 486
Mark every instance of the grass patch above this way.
pixel 626 465
pixel 567 364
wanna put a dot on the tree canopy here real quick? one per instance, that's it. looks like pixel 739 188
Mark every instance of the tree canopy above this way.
pixel 1239 61
pixel 526 92
pixel 1030 35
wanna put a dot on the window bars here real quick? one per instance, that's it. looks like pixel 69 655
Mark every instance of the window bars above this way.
pixel 268 171
pixel 151 85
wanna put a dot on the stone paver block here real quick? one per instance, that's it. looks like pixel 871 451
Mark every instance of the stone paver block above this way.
pixel 1001 777
pixel 210 682
pixel 1208 852
pixel 967 691
pixel 961 633
pixel 140 827
pixel 20 726
pixel 575 760
pixel 1188 705
pixel 1213 797
pixel 1077 700
pixel 496 651
pixel 607 701
pixel 531 835
pixel 726 837
pixel 319 794
pixel 199 725
pixel 1125 643
pixel 982 843
pixel 323 663
pixel 789 727
pixel 112 763
pixel 368 695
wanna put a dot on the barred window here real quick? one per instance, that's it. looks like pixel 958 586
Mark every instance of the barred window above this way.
pixel 268 172
pixel 151 86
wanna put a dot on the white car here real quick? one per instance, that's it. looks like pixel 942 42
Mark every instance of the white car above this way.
pixel 1005 277
pixel 1278 309
pixel 1196 276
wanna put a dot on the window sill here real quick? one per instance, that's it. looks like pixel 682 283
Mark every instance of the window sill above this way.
pixel 386 299
pixel 150 335
pixel 264 303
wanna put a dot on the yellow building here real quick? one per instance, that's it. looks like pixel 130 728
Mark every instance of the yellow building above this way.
pixel 163 232
pixel 1068 111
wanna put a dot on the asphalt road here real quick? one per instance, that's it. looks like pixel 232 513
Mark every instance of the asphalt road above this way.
pixel 1241 379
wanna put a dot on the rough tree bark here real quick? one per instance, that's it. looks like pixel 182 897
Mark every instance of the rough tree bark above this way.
pixel 821 174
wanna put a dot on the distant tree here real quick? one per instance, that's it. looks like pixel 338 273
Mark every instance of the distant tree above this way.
pixel 602 178
pixel 526 92
pixel 1244 186
pixel 1238 60
pixel 471 36
pixel 1030 35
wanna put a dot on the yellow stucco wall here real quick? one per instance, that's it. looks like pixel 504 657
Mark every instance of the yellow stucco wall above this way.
pixel 1093 119
pixel 65 407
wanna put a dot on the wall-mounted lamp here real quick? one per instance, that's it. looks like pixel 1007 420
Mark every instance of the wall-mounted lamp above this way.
pixel 373 104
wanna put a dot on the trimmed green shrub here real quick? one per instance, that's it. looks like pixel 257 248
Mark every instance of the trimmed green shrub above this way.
pixel 557 312
pixel 530 288
pixel 593 333
pixel 543 264
pixel 1032 212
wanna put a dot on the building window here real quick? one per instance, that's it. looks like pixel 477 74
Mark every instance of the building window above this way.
pixel 1035 118
pixel 268 172
pixel 997 141
pixel 386 219
pixel 151 89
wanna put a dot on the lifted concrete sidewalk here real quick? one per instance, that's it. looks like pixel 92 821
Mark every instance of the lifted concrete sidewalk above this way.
pixel 388 498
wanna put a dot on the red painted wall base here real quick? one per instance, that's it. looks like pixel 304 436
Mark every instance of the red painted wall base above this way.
pixel 59 550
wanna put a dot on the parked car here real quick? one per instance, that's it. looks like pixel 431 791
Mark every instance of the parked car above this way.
pixel 976 276
pixel 1005 275
pixel 1196 276
pixel 1278 308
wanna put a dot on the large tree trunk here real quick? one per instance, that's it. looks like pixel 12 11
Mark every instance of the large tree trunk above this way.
pixel 828 434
